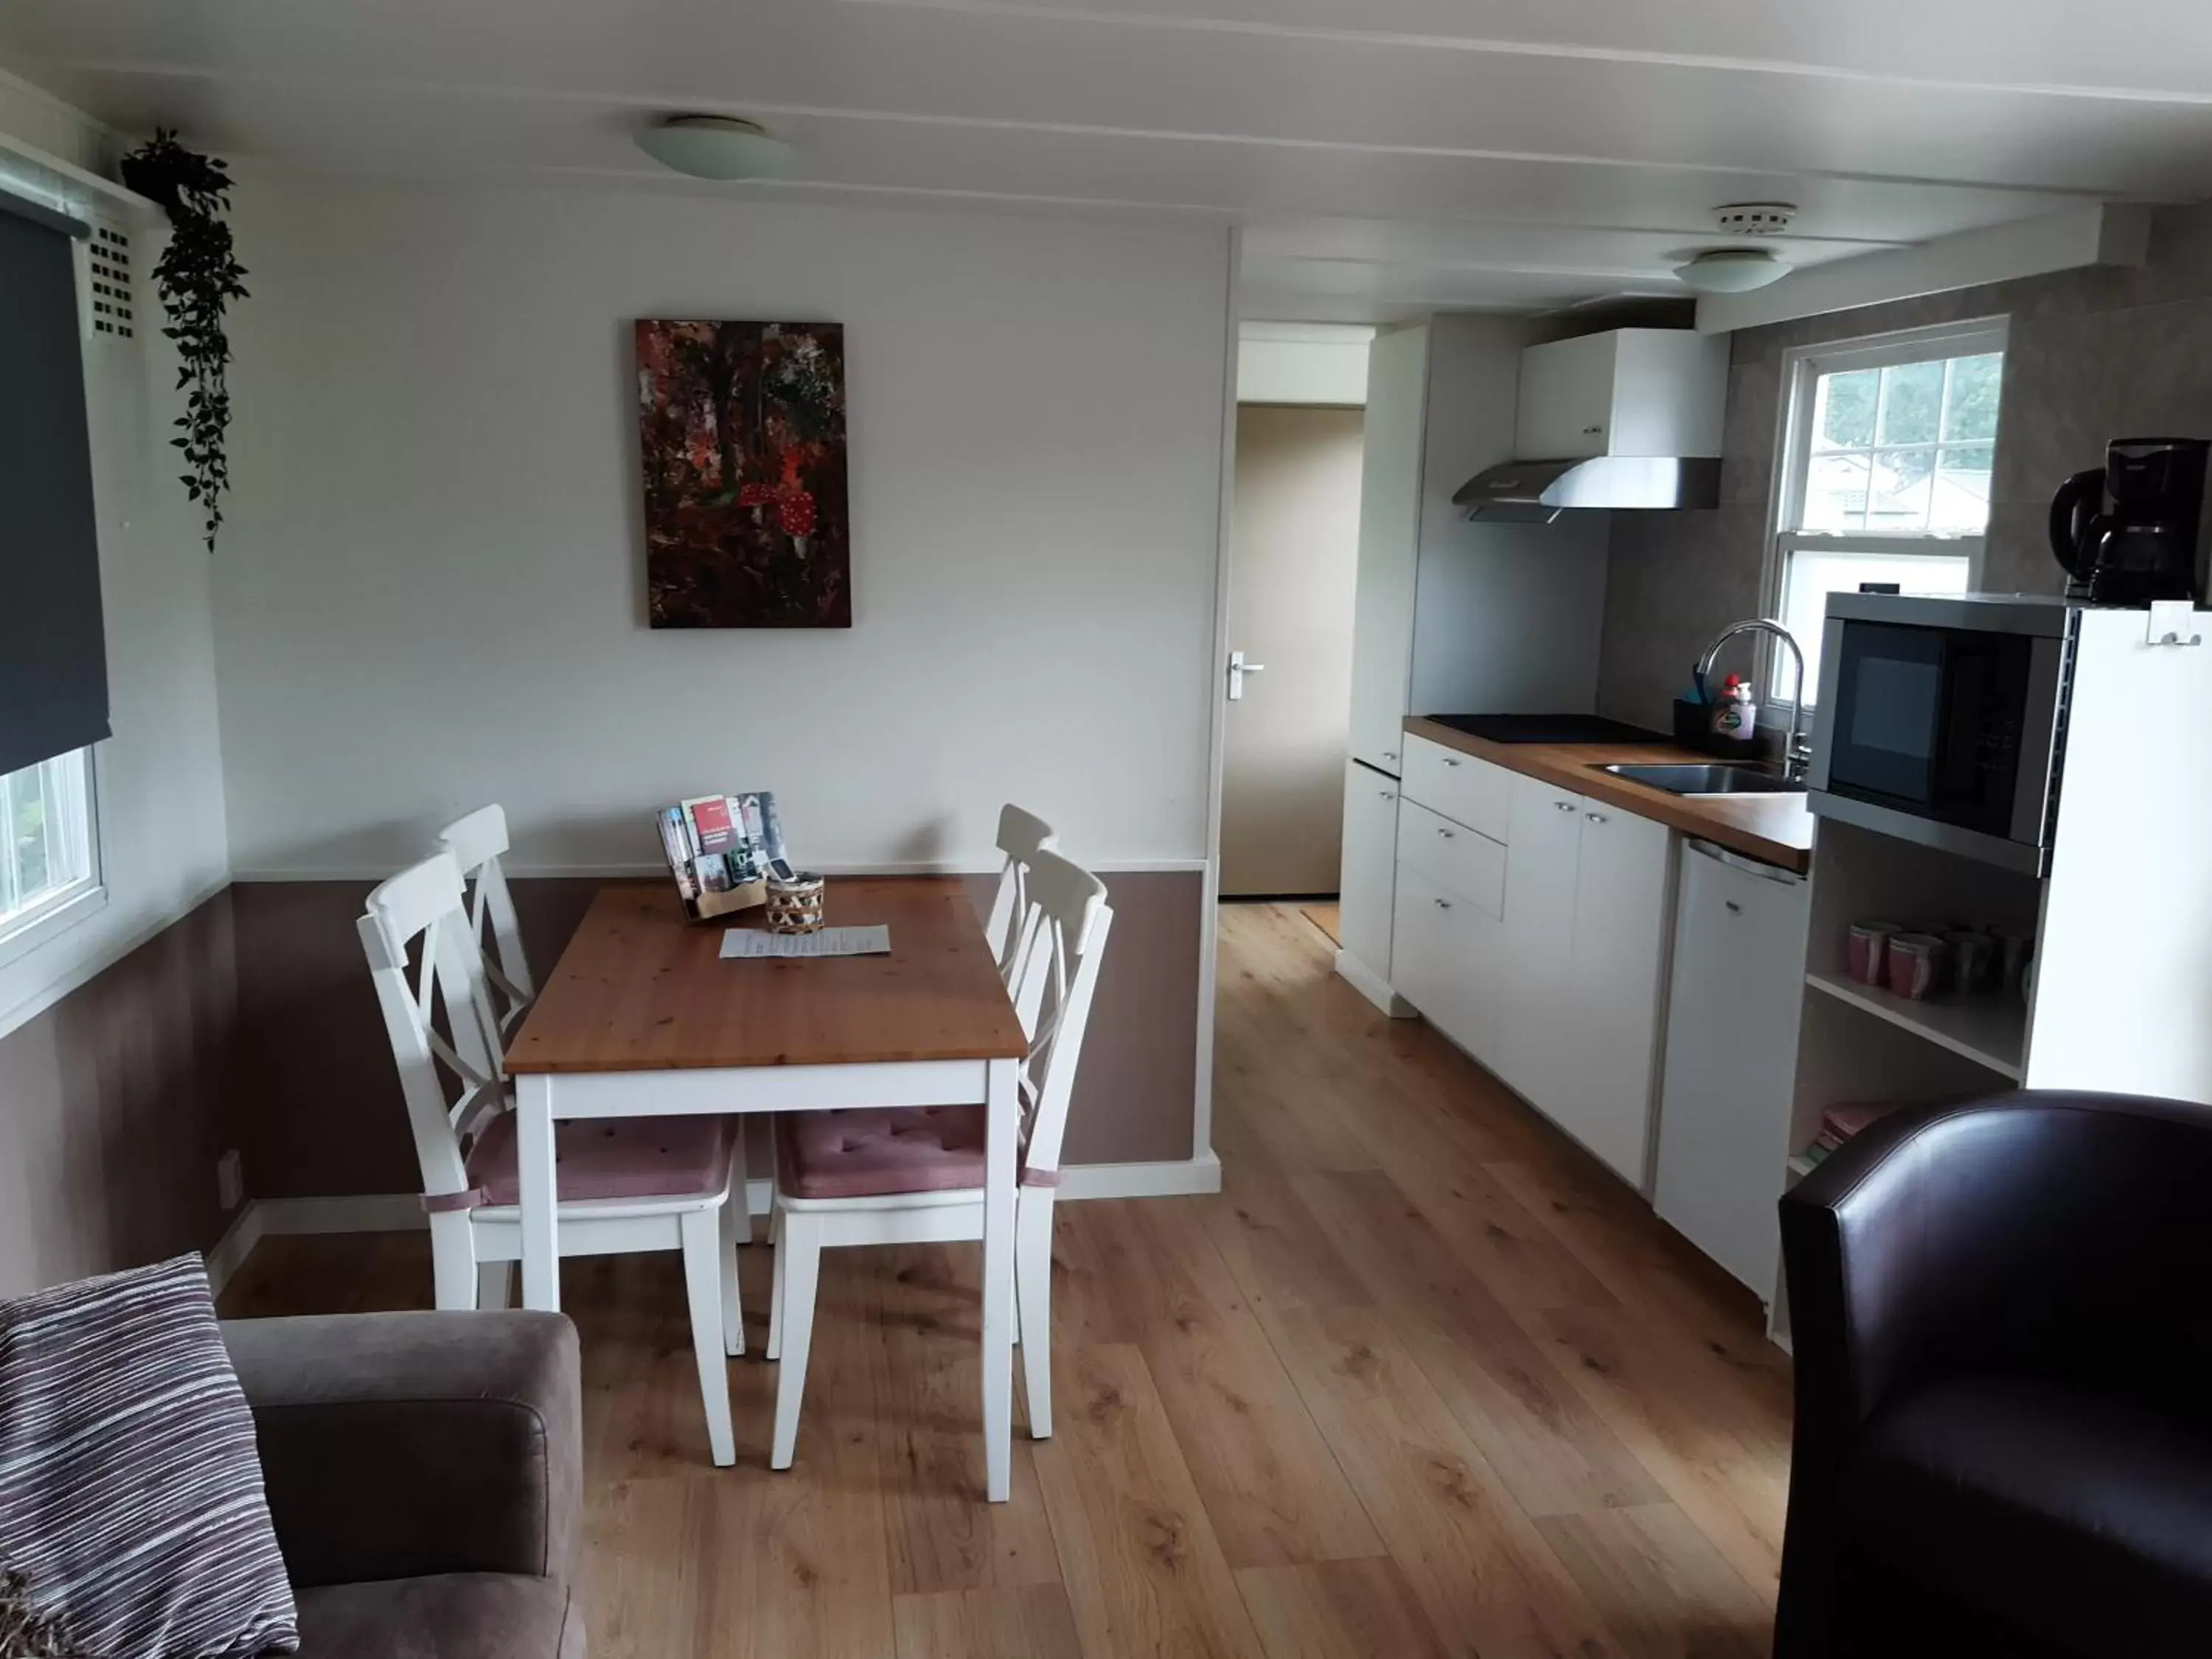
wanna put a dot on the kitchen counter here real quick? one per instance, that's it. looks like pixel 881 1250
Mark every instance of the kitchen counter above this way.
pixel 1775 829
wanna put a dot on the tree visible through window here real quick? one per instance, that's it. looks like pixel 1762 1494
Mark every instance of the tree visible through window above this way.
pixel 1887 457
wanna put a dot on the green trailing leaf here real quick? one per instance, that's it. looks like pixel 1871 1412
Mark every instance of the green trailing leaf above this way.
pixel 197 276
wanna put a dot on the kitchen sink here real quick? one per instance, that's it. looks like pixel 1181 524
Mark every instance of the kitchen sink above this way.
pixel 1714 779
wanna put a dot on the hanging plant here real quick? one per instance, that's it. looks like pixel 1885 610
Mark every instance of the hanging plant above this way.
pixel 197 277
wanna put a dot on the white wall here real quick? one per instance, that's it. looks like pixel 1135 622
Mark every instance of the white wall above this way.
pixel 430 594
pixel 1320 364
pixel 160 777
pixel 1509 616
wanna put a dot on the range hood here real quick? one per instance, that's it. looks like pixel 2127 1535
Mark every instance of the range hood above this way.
pixel 1640 481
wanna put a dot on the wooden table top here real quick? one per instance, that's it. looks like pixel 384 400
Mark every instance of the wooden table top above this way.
pixel 1774 828
pixel 641 988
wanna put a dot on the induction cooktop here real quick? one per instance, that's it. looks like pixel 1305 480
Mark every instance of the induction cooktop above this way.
pixel 1548 728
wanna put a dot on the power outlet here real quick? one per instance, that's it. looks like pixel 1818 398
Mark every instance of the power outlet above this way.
pixel 229 1180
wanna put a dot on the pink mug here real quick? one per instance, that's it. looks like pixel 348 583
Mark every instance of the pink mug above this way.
pixel 1916 962
pixel 1869 949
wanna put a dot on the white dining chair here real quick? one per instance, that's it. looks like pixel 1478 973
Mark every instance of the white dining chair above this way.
pixel 478 842
pixel 915 1176
pixel 626 1184
pixel 1022 836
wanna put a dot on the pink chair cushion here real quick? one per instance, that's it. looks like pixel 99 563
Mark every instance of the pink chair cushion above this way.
pixel 613 1158
pixel 870 1152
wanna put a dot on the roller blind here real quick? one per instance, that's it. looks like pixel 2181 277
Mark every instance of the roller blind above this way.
pixel 53 653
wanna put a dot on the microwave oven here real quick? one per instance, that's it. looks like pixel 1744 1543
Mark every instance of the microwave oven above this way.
pixel 1942 721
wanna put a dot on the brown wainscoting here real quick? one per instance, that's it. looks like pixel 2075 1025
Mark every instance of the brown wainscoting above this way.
pixel 323 1115
pixel 115 1104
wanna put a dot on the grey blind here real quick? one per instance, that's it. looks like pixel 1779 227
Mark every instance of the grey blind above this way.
pixel 53 653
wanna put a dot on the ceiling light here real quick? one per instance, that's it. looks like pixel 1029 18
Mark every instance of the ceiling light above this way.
pixel 718 147
pixel 1732 270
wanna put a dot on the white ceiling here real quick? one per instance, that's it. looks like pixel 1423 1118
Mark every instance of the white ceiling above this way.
pixel 1384 156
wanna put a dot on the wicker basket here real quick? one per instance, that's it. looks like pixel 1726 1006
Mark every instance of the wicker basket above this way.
pixel 794 906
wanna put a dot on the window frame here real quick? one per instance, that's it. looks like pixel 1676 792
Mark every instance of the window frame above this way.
pixel 1802 366
pixel 65 906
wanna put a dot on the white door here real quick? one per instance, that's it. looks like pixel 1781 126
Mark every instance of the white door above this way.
pixel 1365 893
pixel 1624 885
pixel 1292 574
pixel 1731 1066
pixel 1537 1028
pixel 1389 544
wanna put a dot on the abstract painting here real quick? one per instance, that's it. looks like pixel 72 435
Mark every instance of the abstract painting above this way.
pixel 741 432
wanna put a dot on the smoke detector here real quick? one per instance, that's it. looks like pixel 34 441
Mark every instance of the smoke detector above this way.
pixel 1754 218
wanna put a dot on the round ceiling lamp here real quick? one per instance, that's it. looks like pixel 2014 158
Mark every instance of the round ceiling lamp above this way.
pixel 1732 270
pixel 718 147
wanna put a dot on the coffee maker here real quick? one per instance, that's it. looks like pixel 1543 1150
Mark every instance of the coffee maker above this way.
pixel 2136 529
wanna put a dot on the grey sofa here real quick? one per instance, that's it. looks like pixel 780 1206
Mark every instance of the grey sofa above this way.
pixel 424 1471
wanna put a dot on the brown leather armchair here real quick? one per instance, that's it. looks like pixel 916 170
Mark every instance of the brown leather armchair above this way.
pixel 2004 1343
pixel 424 1473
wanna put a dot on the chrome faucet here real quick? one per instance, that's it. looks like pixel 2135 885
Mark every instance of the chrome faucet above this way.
pixel 1795 759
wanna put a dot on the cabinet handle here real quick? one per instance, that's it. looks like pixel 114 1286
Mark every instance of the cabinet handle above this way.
pixel 1592 431
pixel 1443 904
pixel 1389 754
pixel 1563 806
pixel 1386 794
pixel 1594 817
pixel 1733 907
pixel 1449 761
pixel 1446 834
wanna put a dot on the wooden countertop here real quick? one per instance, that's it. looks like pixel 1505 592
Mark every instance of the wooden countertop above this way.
pixel 1774 828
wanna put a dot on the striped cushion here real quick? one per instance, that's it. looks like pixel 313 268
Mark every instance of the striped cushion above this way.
pixel 130 1490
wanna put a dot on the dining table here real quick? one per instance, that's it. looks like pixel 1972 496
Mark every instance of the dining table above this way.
pixel 643 1017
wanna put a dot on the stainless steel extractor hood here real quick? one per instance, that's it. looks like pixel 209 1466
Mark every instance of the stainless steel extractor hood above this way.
pixel 1636 482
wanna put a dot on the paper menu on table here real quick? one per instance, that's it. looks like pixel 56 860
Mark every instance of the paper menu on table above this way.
pixel 750 943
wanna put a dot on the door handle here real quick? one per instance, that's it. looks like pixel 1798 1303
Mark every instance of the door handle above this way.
pixel 1238 668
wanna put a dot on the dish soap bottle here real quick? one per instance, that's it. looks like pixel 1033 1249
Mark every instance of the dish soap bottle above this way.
pixel 1735 716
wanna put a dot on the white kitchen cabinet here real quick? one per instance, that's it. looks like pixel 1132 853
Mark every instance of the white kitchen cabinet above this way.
pixel 1463 788
pixel 1537 1030
pixel 1627 392
pixel 1465 860
pixel 1389 546
pixel 1732 1021
pixel 1368 880
pixel 1624 894
pixel 1447 954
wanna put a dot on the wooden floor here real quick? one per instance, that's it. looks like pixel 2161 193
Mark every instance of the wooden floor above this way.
pixel 1422 1381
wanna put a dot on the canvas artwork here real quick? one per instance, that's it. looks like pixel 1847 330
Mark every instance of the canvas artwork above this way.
pixel 743 437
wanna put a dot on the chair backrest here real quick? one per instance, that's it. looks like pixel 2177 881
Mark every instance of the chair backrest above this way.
pixel 1022 836
pixel 1057 959
pixel 419 913
pixel 477 843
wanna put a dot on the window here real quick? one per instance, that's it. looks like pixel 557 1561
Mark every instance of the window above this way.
pixel 49 865
pixel 1886 446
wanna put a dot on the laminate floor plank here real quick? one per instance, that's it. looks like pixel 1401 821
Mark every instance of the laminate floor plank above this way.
pixel 1337 1610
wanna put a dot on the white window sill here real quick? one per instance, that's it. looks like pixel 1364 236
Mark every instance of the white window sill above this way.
pixel 36 929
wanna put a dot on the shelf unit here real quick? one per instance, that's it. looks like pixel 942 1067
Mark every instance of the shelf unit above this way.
pixel 1990 1030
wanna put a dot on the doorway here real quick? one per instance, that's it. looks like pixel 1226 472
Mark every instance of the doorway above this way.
pixel 1293 559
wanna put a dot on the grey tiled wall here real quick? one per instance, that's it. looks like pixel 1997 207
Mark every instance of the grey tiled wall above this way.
pixel 2094 354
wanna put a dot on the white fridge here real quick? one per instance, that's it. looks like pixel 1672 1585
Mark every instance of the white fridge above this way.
pixel 1730 1071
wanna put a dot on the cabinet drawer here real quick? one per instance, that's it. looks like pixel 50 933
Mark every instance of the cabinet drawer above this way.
pixel 1445 957
pixel 1464 860
pixel 1464 789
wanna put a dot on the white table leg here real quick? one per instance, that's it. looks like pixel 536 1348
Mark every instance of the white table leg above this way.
pixel 540 1197
pixel 1003 1111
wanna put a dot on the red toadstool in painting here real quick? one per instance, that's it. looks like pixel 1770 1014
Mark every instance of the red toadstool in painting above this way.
pixel 757 497
pixel 795 513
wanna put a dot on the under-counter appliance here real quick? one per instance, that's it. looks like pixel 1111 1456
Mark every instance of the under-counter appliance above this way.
pixel 2136 529
pixel 1942 721
pixel 1548 728
pixel 1731 1065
